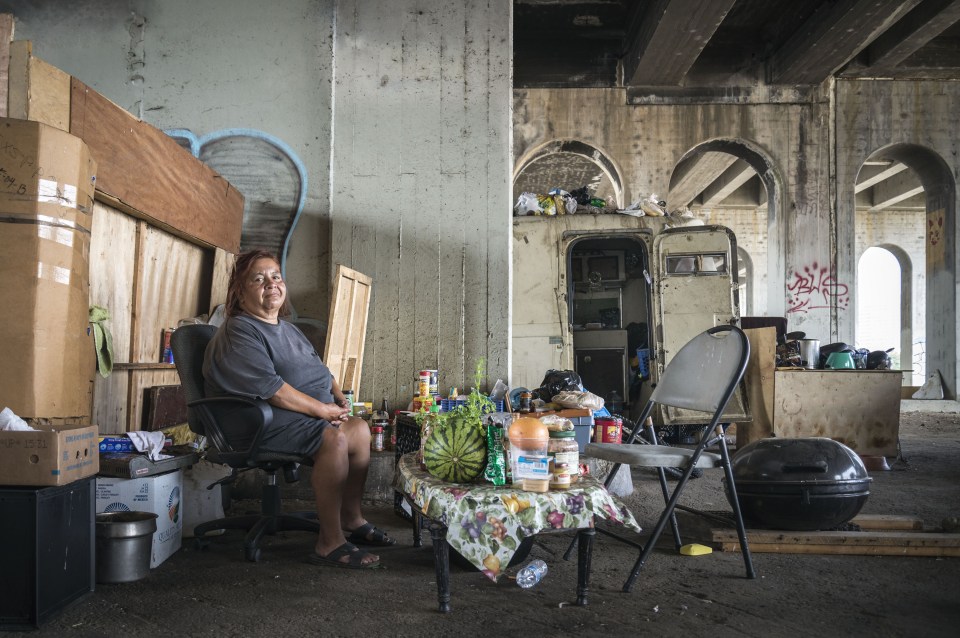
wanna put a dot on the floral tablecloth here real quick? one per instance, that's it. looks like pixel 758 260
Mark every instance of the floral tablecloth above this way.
pixel 486 523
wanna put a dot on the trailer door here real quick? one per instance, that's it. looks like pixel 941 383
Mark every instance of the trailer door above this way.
pixel 695 288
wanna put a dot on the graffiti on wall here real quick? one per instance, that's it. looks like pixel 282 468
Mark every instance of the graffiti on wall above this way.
pixel 272 179
pixel 816 288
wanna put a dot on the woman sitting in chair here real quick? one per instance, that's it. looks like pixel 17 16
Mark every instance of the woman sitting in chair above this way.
pixel 256 354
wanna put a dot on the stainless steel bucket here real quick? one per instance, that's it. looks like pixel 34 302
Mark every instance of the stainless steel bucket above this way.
pixel 124 542
pixel 809 353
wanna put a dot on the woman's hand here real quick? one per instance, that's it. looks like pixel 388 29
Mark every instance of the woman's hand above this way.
pixel 339 397
pixel 333 413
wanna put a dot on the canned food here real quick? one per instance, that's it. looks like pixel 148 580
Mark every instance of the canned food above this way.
pixel 434 381
pixel 423 383
pixel 609 429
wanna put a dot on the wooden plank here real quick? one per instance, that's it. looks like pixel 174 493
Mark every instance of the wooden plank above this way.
pixel 758 382
pixel 150 173
pixel 848 550
pixel 38 91
pixel 347 326
pixel 835 542
pixel 174 285
pixel 223 263
pixel 887 522
pixel 6 35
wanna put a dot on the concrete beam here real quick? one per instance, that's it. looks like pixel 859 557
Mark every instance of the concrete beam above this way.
pixel 917 28
pixel 900 191
pixel 877 177
pixel 832 37
pixel 733 178
pixel 694 174
pixel 667 36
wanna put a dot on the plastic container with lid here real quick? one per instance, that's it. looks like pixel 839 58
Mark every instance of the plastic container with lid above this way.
pixel 564 454
pixel 529 462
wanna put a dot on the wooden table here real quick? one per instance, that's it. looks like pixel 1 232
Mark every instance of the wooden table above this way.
pixel 486 524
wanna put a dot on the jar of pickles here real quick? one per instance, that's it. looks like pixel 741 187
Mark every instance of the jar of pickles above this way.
pixel 564 455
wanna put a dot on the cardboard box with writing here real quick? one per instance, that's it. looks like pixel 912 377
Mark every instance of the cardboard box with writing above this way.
pixel 46 197
pixel 160 494
pixel 56 455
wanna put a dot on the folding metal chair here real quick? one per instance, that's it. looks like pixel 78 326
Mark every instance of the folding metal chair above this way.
pixel 702 376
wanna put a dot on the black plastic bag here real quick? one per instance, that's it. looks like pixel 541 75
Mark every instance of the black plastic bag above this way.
pixel 556 381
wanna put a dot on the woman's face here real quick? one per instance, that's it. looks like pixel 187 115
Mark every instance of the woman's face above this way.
pixel 263 290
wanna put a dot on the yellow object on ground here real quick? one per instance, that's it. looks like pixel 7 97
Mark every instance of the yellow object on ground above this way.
pixel 695 549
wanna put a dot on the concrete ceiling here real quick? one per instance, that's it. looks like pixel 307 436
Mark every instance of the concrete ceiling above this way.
pixel 688 51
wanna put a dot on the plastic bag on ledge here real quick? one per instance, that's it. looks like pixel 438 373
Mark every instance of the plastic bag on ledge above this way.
pixel 579 400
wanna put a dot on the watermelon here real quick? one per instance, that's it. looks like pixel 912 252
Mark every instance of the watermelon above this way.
pixel 456 454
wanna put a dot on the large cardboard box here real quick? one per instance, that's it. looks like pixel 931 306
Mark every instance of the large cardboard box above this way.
pixel 46 198
pixel 55 455
pixel 160 494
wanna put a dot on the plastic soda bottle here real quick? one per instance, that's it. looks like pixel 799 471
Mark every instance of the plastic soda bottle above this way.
pixel 531 574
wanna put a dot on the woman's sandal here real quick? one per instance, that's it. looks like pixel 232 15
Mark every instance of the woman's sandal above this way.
pixel 370 535
pixel 333 559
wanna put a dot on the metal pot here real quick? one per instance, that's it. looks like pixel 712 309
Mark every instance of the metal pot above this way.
pixel 809 353
pixel 800 484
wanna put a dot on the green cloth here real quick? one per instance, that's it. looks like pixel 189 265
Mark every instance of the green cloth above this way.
pixel 102 340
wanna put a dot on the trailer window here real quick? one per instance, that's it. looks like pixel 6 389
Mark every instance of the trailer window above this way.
pixel 697 264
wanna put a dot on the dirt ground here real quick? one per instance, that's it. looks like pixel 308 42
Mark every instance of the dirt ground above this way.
pixel 217 593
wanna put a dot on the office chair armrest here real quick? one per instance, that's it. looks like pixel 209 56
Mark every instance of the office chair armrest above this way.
pixel 233 424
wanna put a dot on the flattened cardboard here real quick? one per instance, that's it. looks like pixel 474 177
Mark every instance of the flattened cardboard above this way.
pixel 54 456
pixel 46 198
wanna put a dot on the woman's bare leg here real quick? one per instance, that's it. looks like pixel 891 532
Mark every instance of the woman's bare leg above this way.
pixel 357 434
pixel 329 476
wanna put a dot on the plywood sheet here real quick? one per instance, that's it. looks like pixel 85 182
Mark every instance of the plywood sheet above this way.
pixel 347 327
pixel 759 383
pixel 859 408
pixel 152 176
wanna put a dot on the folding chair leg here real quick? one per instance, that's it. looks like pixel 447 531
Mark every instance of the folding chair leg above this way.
pixel 735 505
pixel 666 499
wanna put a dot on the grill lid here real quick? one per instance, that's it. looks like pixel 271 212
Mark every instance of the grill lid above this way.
pixel 815 461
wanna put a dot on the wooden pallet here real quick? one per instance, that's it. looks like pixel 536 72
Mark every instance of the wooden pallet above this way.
pixel 881 535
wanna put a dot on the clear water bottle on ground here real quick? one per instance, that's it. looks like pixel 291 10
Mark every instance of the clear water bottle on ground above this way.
pixel 532 573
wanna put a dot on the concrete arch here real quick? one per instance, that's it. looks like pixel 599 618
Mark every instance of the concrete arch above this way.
pixel 906 300
pixel 762 162
pixel 942 259
pixel 598 156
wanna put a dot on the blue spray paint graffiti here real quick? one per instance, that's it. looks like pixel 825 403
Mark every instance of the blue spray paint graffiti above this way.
pixel 269 174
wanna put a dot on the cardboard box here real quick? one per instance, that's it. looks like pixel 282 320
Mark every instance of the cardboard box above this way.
pixel 54 456
pixel 46 198
pixel 158 494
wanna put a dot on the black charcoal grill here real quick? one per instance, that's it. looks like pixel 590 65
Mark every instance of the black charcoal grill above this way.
pixel 799 484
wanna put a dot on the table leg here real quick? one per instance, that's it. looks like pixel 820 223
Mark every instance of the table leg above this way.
pixel 417 526
pixel 441 561
pixel 584 555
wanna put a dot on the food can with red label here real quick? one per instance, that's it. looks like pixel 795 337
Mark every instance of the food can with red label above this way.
pixel 608 429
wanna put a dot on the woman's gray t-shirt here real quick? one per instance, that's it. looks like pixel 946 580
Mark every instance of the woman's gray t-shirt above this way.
pixel 251 358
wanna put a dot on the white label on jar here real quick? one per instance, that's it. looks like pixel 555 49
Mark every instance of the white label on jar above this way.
pixel 532 467
pixel 572 459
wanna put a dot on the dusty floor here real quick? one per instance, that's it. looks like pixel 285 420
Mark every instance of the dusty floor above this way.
pixel 217 593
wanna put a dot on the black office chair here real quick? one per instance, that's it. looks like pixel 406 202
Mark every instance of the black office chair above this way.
pixel 701 377
pixel 233 426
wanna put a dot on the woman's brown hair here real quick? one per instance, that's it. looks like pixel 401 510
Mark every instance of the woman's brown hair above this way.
pixel 241 270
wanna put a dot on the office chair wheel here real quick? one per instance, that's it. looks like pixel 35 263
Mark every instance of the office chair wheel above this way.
pixel 252 554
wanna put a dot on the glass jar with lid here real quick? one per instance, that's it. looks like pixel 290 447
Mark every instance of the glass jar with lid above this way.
pixel 564 456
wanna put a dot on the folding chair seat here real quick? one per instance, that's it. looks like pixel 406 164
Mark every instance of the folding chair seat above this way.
pixel 702 376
